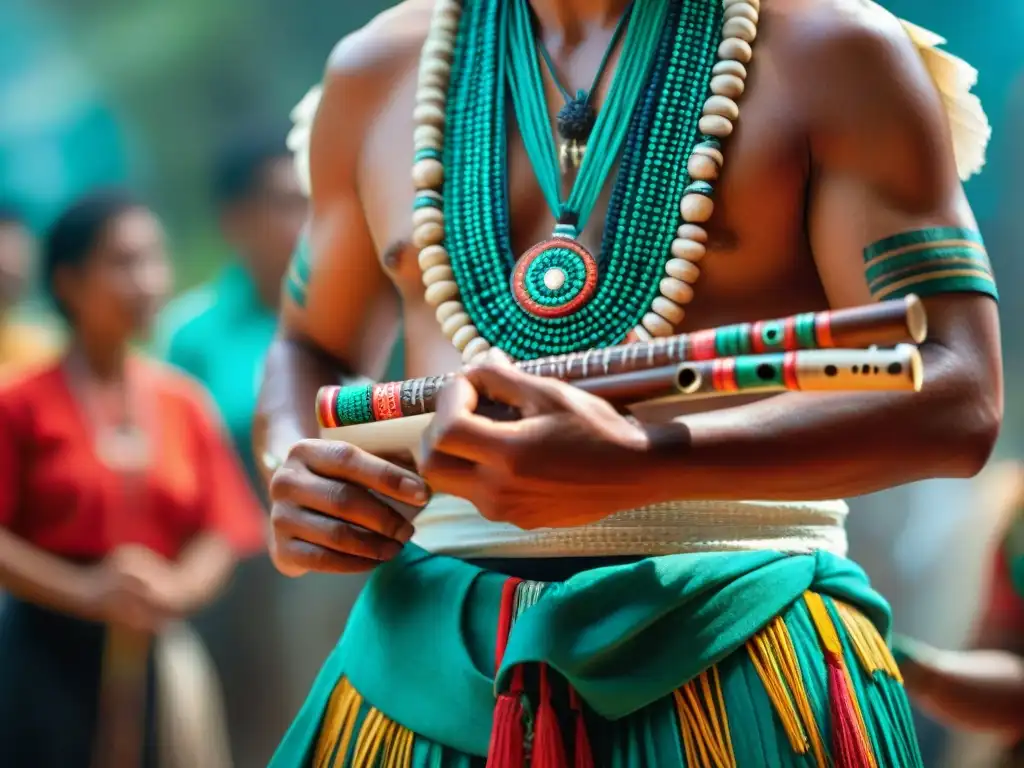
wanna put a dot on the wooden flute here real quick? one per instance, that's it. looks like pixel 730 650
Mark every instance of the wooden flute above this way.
pixel 745 357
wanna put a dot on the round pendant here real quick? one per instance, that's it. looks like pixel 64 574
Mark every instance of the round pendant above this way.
pixel 554 278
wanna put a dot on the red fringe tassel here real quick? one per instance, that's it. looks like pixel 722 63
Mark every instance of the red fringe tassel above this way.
pixel 583 754
pixel 848 748
pixel 508 741
pixel 548 750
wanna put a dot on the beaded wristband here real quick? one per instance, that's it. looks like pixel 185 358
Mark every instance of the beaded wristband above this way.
pixel 927 262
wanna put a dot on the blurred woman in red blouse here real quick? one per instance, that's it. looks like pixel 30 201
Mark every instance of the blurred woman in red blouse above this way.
pixel 122 508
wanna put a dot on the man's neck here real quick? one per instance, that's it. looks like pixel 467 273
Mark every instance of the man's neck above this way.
pixel 570 17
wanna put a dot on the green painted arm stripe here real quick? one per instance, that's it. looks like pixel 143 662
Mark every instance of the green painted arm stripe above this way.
pixel 299 271
pixel 929 285
pixel 919 237
pixel 939 258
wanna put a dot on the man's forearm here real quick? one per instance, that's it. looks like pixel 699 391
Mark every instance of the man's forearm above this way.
pixel 980 690
pixel 286 413
pixel 803 446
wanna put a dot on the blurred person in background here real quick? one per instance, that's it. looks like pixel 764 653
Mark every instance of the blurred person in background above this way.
pixel 122 509
pixel 983 689
pixel 21 344
pixel 261 211
pixel 220 333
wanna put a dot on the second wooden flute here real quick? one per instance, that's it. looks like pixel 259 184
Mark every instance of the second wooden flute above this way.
pixel 824 370
pixel 884 324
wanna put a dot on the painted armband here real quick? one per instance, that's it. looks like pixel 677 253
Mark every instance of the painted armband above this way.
pixel 297 279
pixel 928 262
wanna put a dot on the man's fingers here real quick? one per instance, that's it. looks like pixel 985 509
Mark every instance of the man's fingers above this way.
pixel 343 461
pixel 336 535
pixel 312 557
pixel 346 502
pixel 450 474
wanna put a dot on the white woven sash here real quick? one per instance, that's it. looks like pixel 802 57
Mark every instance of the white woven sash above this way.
pixel 452 526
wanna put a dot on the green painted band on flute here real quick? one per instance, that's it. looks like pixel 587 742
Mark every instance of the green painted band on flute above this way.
pixel 929 262
pixel 354 405
pixel 733 340
pixel 758 371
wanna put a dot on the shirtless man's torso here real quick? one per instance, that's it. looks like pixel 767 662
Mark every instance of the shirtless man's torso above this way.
pixel 842 142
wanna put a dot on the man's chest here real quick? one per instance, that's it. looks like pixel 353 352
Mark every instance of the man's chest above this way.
pixel 758 261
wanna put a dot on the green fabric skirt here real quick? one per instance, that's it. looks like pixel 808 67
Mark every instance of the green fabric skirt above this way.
pixel 724 659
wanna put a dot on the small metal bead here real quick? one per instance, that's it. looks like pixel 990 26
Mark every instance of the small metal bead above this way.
pixel 742 11
pixel 439 292
pixel 454 323
pixel 692 232
pixel 464 335
pixel 429 114
pixel 702 167
pixel 676 290
pixel 729 86
pixel 474 349
pixel 683 269
pixel 715 125
pixel 447 309
pixel 740 28
pixel 427 234
pixel 734 49
pixel 696 209
pixel 688 249
pixel 428 174
pixel 439 274
pixel 734 68
pixel 668 309
pixel 423 216
pixel 433 256
pixel 657 325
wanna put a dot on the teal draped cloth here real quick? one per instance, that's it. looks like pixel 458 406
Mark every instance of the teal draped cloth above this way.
pixel 420 643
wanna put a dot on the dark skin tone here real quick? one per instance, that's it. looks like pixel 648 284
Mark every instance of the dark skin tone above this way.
pixel 813 174
pixel 263 227
pixel 112 300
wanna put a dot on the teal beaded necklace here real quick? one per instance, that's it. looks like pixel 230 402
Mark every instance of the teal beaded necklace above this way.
pixel 611 126
pixel 462 209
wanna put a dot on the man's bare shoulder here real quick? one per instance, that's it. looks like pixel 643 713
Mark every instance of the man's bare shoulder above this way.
pixel 828 44
pixel 385 46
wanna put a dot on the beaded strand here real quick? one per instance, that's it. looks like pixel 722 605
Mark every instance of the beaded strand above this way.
pixel 459 174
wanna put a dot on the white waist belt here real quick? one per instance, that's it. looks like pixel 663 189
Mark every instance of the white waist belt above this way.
pixel 452 526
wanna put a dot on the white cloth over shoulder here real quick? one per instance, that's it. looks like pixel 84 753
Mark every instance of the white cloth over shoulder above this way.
pixel 452 526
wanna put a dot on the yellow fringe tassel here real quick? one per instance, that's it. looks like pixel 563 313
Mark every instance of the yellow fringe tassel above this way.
pixel 774 657
pixel 338 726
pixel 703 722
pixel 830 640
pixel 380 742
pixel 868 645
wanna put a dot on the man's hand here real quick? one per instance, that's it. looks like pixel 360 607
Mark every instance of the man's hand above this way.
pixel 570 460
pixel 325 517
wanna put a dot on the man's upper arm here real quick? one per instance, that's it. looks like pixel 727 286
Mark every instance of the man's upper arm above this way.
pixel 335 295
pixel 888 215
